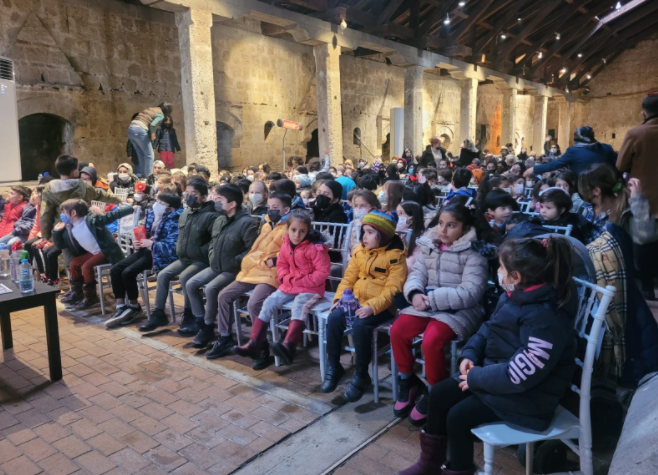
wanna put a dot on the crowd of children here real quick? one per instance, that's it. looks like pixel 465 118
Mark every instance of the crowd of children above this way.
pixel 426 239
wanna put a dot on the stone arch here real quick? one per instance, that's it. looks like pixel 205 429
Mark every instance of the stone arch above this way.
pixel 356 136
pixel 38 104
pixel 232 118
pixel 225 140
pixel 313 145
pixel 42 137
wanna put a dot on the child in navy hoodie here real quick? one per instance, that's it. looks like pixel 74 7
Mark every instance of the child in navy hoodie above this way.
pixel 517 367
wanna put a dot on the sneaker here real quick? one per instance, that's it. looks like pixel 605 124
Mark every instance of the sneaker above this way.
pixel 408 390
pixel 158 319
pixel 221 347
pixel 418 416
pixel 128 313
pixel 134 317
pixel 116 317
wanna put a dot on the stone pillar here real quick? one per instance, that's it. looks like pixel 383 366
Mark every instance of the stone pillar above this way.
pixel 564 125
pixel 327 85
pixel 413 108
pixel 508 117
pixel 469 109
pixel 198 87
pixel 539 128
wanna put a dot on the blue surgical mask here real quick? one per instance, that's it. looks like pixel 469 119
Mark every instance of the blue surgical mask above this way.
pixel 64 218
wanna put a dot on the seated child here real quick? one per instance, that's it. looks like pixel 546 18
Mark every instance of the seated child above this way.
pixel 531 328
pixel 445 289
pixel 24 225
pixel 17 199
pixel 460 181
pixel 554 206
pixel 517 190
pixel 375 274
pixel 363 202
pixel 410 216
pixel 499 205
pixel 302 270
pixel 540 185
pixel 86 236
pixel 567 181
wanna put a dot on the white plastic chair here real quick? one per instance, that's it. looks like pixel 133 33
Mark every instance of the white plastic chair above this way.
pixel 566 230
pixel 524 206
pixel 121 193
pixel 565 426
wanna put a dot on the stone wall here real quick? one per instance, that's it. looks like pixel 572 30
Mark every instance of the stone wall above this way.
pixel 441 110
pixel 93 63
pixel 525 112
pixel 489 113
pixel 616 94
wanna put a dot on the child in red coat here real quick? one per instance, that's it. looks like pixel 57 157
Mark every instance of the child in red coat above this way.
pixel 17 199
pixel 302 268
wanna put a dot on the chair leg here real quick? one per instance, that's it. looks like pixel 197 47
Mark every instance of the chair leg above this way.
pixel 394 375
pixel 453 357
pixel 172 308
pixel 322 345
pixel 99 285
pixel 488 459
pixel 274 329
pixel 375 365
pixel 238 321
pixel 145 296
pixel 529 458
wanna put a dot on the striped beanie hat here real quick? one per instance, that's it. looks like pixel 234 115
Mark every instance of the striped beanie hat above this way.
pixel 383 222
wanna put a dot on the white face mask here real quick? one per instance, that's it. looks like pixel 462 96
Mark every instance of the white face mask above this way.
pixel 306 201
pixel 250 177
pixel 400 166
pixel 359 213
pixel 553 150
pixel 505 287
pixel 362 164
pixel 138 197
pixel 506 189
pixel 124 176
pixel 518 188
pixel 159 209
pixel 403 225
pixel 394 162
pixel 255 198
pixel 529 184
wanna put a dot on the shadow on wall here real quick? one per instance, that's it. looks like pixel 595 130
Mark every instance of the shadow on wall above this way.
pixel 43 137
pixel 313 146
pixel 225 134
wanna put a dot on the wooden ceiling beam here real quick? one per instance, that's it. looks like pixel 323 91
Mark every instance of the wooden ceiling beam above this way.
pixel 471 20
pixel 498 26
pixel 388 10
pixel 509 45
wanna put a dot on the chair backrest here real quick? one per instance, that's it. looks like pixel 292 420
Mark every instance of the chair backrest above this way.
pixel 404 235
pixel 593 302
pixel 338 237
pixel 527 192
pixel 524 206
pixel 121 193
pixel 566 230
pixel 99 204
pixel 529 213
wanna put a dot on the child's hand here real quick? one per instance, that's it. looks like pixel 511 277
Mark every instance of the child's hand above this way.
pixel 528 172
pixel 269 263
pixel 420 302
pixel 364 312
pixel 334 306
pixel 634 187
pixel 59 226
pixel 465 366
pixel 464 383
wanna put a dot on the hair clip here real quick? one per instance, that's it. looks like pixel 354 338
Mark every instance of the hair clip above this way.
pixel 469 201
pixel 544 242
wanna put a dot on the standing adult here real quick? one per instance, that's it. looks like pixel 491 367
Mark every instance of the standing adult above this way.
pixel 468 152
pixel 638 152
pixel 141 133
pixel 552 151
pixel 433 153
pixel 585 152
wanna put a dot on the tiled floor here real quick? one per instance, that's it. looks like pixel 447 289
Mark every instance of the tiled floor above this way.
pixel 153 405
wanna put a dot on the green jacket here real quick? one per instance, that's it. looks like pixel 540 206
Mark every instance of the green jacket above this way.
pixel 58 191
pixel 96 223
pixel 195 232
pixel 232 239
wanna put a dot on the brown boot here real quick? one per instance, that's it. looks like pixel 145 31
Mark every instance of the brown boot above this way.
pixel 432 456
pixel 286 350
pixel 76 294
pixel 90 296
pixel 258 337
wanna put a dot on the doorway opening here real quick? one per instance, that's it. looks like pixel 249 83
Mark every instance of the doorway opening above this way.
pixel 386 149
pixel 312 146
pixel 42 138
pixel 225 134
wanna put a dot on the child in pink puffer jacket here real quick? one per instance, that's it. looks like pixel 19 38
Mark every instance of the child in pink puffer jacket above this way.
pixel 302 268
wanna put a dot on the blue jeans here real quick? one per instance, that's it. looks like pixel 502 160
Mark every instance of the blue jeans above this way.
pixel 9 239
pixel 142 142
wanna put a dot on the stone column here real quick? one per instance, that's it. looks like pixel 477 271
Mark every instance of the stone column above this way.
pixel 413 108
pixel 327 85
pixel 564 125
pixel 508 117
pixel 539 128
pixel 198 87
pixel 469 109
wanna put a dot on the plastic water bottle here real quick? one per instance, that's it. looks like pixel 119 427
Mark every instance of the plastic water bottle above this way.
pixel 15 261
pixel 39 178
pixel 26 278
pixel 350 305
pixel 4 261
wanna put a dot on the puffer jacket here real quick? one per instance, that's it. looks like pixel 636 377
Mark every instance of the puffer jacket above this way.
pixel 164 238
pixel 458 279
pixel 524 356
pixel 23 226
pixel 12 214
pixel 195 231
pixel 36 226
pixel 305 268
pixel 232 239
pixel 267 246
pixel 376 275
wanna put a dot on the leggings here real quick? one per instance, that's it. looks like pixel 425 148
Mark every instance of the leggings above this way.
pixel 453 413
pixel 33 253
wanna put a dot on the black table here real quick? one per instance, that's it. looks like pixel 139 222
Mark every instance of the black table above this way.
pixel 43 295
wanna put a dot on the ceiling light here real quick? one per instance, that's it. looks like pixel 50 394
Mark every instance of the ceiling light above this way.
pixel 580 55
pixel 461 4
pixel 343 24
pixel 567 89
pixel 540 55
pixel 519 18
pixel 605 60
pixel 563 70
pixel 447 20
pixel 557 36
pixel 589 76
pixel 503 36
pixel 618 6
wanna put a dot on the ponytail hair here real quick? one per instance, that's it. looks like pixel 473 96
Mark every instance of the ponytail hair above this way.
pixel 463 208
pixel 605 178
pixel 540 262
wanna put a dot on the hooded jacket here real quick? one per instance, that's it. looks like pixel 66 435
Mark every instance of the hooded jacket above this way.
pixel 375 275
pixel 36 226
pixel 231 240
pixel 97 224
pixel 23 226
pixel 195 232
pixel 130 184
pixel 305 268
pixel 254 269
pixel 524 356
pixel 11 216
pixel 58 191
pixel 457 278
pixel 164 237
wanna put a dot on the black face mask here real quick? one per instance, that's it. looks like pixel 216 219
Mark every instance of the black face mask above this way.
pixel 322 201
pixel 192 201
pixel 274 215
pixel 219 207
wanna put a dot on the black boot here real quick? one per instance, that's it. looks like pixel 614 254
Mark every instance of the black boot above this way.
pixel 221 347
pixel 188 325
pixel 76 294
pixel 205 336
pixel 157 319
pixel 332 377
pixel 263 358
pixel 90 296
pixel 360 383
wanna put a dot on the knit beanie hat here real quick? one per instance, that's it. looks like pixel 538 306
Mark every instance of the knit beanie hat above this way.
pixel 383 222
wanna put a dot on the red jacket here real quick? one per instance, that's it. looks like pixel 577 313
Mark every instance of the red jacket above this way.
pixel 12 214
pixel 304 269
pixel 36 227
